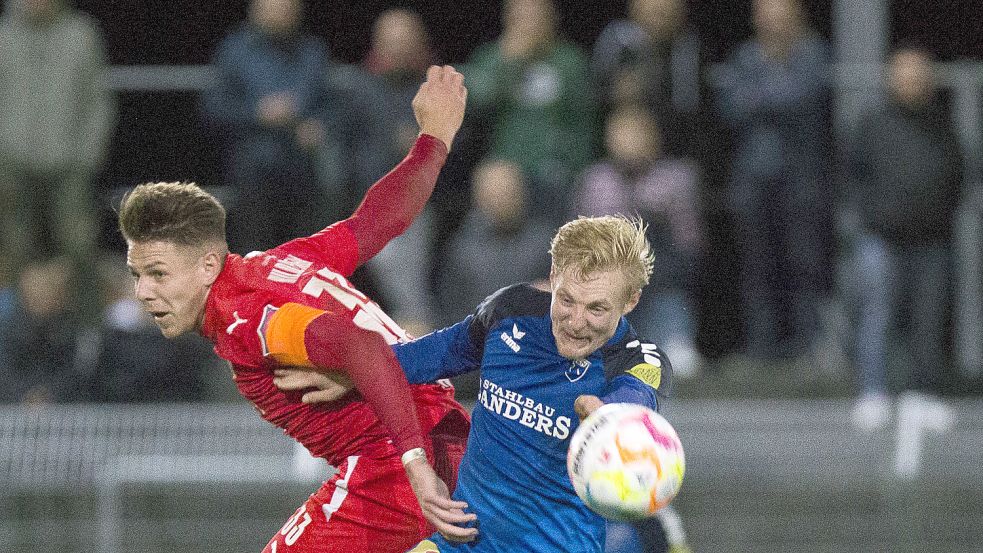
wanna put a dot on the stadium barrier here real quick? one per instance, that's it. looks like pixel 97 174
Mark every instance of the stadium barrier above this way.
pixel 762 475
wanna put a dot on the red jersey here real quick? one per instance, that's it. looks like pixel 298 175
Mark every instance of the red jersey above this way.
pixel 312 271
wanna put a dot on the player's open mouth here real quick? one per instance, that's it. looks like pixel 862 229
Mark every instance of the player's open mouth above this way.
pixel 158 315
pixel 578 339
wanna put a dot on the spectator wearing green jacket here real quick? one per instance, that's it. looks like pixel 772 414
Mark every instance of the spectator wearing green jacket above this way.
pixel 531 91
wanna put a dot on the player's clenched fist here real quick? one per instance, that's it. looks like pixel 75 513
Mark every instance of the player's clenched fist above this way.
pixel 439 104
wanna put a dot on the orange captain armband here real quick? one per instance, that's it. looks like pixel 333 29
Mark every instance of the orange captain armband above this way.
pixel 284 334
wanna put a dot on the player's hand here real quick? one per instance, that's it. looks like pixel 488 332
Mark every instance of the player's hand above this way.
pixel 586 404
pixel 439 104
pixel 445 514
pixel 326 386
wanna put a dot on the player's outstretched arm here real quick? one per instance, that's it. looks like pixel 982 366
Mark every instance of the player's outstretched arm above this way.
pixel 372 367
pixel 391 204
pixel 439 104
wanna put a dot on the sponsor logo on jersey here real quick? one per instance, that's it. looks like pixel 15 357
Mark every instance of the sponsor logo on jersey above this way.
pixel 525 410
pixel 510 342
pixel 650 371
pixel 577 369
pixel 238 321
pixel 516 333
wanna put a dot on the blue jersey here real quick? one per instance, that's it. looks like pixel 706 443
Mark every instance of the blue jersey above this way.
pixel 514 474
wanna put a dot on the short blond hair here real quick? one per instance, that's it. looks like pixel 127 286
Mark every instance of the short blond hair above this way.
pixel 591 244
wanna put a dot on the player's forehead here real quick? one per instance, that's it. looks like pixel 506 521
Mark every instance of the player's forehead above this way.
pixel 143 255
pixel 596 287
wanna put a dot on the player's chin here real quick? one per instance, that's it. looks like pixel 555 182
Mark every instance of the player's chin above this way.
pixel 574 351
pixel 169 330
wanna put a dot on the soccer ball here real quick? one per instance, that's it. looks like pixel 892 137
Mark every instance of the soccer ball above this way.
pixel 626 461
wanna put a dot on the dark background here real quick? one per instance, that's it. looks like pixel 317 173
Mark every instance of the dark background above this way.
pixel 187 31
pixel 160 136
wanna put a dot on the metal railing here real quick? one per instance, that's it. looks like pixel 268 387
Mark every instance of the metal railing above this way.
pixel 166 477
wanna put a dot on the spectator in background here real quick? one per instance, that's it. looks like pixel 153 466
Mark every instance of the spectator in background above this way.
pixel 500 241
pixel 775 97
pixel 395 66
pixel 637 178
pixel 530 88
pixel 654 57
pixel 267 102
pixel 47 355
pixel 908 185
pixel 39 336
pixel 56 116
pixel 383 133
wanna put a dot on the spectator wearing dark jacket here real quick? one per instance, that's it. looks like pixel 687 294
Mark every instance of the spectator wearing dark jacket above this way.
pixel 908 173
pixel 267 104
pixel 39 336
pixel 775 98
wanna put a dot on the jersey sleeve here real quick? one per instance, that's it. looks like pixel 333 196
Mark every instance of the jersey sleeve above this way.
pixel 637 372
pixel 445 353
pixel 388 209
pixel 391 204
pixel 299 335
pixel 334 246
pixel 455 350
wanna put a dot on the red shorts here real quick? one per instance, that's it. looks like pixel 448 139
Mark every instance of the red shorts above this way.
pixel 367 507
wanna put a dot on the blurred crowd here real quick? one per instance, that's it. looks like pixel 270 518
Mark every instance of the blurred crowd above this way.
pixel 737 171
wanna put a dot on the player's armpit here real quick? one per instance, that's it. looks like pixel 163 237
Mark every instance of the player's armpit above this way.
pixel 630 389
pixel 284 334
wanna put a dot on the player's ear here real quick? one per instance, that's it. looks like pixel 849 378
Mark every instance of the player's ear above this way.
pixel 632 302
pixel 211 265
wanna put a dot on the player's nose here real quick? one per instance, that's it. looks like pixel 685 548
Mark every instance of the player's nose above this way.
pixel 143 290
pixel 577 321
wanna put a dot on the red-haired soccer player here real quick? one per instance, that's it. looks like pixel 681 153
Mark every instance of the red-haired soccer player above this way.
pixel 292 306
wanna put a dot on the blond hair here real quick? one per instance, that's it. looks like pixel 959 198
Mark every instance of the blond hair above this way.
pixel 177 212
pixel 591 244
